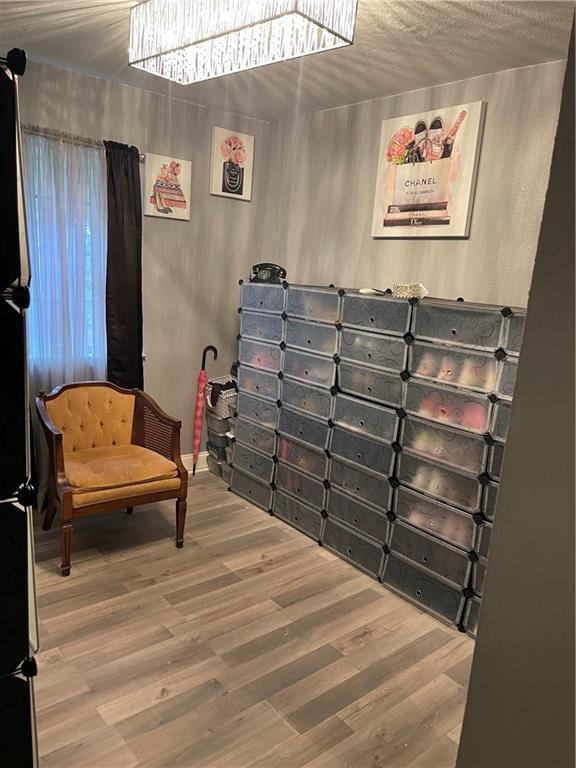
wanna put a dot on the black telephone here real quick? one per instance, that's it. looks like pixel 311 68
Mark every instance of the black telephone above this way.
pixel 267 273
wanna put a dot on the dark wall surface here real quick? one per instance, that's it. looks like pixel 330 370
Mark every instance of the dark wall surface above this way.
pixel 520 710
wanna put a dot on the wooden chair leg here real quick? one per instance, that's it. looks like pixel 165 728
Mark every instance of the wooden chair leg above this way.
pixel 66 544
pixel 50 512
pixel 66 534
pixel 129 510
pixel 180 521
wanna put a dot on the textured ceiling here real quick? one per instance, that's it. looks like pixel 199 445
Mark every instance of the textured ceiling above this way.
pixel 400 45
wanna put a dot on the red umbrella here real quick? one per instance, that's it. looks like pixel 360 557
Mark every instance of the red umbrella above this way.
pixel 202 381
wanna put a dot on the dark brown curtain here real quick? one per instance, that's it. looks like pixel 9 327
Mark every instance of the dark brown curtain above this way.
pixel 124 266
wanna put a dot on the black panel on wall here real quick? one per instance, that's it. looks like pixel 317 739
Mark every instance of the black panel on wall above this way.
pixel 16 722
pixel 12 413
pixel 9 242
pixel 13 587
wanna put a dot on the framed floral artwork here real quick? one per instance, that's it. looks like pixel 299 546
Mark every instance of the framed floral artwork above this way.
pixel 232 164
pixel 427 173
pixel 167 187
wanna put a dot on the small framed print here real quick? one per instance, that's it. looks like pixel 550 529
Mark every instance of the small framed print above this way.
pixel 232 164
pixel 168 185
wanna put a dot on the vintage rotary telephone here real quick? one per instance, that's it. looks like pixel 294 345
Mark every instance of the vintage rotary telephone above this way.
pixel 267 273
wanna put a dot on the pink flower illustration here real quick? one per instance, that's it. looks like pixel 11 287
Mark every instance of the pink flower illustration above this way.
pixel 396 149
pixel 232 149
pixel 239 156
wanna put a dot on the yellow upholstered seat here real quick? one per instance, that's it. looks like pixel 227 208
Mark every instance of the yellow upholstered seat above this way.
pixel 103 474
pixel 96 469
pixel 81 500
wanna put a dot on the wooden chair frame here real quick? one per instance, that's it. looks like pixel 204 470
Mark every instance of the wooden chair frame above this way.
pixel 152 428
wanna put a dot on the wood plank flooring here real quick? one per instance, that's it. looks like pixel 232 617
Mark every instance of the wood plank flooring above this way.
pixel 251 647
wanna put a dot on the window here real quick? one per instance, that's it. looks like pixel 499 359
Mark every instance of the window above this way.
pixel 65 188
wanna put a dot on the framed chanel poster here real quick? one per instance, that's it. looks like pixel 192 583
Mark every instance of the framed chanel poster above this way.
pixel 427 173
pixel 232 164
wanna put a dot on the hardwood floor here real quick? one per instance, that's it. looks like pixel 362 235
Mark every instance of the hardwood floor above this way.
pixel 252 646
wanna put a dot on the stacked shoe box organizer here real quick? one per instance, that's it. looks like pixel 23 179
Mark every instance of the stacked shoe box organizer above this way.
pixel 220 424
pixel 376 426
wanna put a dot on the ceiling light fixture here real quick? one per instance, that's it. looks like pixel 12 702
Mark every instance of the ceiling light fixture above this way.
pixel 188 41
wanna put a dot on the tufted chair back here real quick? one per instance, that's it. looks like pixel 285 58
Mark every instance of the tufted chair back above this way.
pixel 92 416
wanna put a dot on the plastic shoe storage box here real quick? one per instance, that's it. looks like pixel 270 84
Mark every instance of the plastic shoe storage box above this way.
pixel 303 457
pixel 365 554
pixel 311 369
pixel 306 489
pixel 468 325
pixel 478 576
pixel 253 463
pixel 365 418
pixel 216 424
pixel 483 539
pixel 467 369
pixel 262 297
pixel 376 313
pixel 514 332
pixel 381 425
pixel 471 616
pixel 358 515
pixel 501 420
pixel 363 451
pixel 448 446
pixel 496 459
pixel 263 412
pixel 298 514
pixel 456 488
pixel 303 428
pixel 434 517
pixel 361 483
pixel 489 499
pixel 258 383
pixel 384 352
pixel 313 303
pixel 442 559
pixel 312 337
pixel 379 386
pixel 448 406
pixel 261 355
pixel 311 400
pixel 255 436
pixel 256 325
pixel 507 378
pixel 251 489
pixel 424 589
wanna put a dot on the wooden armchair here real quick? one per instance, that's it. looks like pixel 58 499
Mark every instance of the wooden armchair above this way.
pixel 109 448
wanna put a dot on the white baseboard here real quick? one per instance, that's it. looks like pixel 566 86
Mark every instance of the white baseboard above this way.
pixel 201 464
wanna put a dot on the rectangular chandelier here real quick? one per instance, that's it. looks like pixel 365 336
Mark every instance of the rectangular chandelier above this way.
pixel 188 41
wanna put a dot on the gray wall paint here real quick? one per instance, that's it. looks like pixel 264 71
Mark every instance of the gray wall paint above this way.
pixel 190 269
pixel 520 710
pixel 312 205
pixel 323 175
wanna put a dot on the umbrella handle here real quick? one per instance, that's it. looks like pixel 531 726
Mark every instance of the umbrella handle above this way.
pixel 209 348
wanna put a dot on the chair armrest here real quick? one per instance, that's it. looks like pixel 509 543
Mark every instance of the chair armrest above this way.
pixel 154 429
pixel 57 472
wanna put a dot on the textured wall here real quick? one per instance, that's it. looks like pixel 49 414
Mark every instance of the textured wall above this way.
pixel 323 174
pixel 190 269
pixel 312 202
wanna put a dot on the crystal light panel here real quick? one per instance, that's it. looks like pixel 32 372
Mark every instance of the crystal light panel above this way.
pixel 188 41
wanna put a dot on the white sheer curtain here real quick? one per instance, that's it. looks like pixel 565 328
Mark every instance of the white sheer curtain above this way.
pixel 65 190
